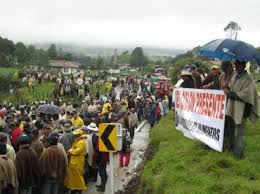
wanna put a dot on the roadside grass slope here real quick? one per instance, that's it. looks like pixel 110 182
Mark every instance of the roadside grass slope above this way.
pixel 181 165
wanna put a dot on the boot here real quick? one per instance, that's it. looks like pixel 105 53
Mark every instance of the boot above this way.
pixel 102 187
pixel 99 186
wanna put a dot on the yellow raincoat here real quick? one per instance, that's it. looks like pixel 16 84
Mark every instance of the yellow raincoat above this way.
pixel 105 108
pixel 109 86
pixel 74 179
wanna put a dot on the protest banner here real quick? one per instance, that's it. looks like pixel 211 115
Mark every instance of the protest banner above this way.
pixel 200 114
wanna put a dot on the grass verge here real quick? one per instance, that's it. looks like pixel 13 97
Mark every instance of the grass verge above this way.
pixel 181 165
pixel 41 92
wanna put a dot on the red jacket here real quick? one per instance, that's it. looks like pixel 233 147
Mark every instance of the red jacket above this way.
pixel 15 134
pixel 158 111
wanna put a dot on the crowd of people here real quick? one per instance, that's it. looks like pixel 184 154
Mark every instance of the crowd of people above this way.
pixel 241 92
pixel 59 152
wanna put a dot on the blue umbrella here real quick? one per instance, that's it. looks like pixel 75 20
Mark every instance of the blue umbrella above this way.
pixel 228 49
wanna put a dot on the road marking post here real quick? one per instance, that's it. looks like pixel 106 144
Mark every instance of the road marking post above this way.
pixel 109 143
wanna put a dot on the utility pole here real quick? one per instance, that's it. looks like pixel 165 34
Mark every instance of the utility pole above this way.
pixel 115 56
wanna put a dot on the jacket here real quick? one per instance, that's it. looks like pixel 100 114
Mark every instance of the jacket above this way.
pixel 243 95
pixel 74 180
pixel 27 168
pixel 53 163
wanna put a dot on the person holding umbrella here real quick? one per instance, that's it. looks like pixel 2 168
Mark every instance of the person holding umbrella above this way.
pixel 242 103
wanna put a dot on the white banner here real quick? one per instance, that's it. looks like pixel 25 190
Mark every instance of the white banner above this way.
pixel 200 114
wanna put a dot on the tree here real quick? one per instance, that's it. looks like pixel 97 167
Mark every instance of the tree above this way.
pixel 232 29
pixel 99 62
pixel 21 53
pixel 3 60
pixel 85 61
pixel 42 58
pixel 6 46
pixel 137 58
pixel 32 55
pixel 52 52
pixel 124 58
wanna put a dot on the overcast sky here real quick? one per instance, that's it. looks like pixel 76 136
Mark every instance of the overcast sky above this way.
pixel 162 23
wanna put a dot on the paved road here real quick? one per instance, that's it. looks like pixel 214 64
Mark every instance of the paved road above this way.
pixel 138 147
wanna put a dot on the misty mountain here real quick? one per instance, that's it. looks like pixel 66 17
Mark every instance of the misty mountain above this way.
pixel 93 51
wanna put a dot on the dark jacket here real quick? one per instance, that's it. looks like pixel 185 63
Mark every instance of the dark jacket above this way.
pixel 189 83
pixel 27 168
pixel 53 163
pixel 127 141
pixel 99 158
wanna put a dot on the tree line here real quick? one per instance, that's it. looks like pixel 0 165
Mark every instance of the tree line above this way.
pixel 19 54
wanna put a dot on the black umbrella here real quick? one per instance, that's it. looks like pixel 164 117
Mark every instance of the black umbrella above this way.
pixel 49 109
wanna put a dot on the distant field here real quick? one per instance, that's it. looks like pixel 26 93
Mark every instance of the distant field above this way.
pixel 185 166
pixel 4 71
pixel 41 92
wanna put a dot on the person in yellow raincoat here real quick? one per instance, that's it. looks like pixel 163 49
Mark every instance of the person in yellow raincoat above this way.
pixel 30 83
pixel 74 179
pixel 109 87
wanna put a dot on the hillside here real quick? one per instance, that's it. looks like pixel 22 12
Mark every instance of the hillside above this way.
pixel 181 165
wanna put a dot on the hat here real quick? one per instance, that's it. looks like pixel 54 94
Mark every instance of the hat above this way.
pixel 185 72
pixel 92 127
pixel 53 138
pixel 23 139
pixel 78 132
pixel 215 67
pixel 104 98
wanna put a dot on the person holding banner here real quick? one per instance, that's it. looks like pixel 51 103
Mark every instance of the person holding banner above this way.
pixel 242 103
pixel 188 81
pixel 224 79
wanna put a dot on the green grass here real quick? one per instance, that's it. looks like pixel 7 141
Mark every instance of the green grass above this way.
pixel 4 71
pixel 41 92
pixel 181 165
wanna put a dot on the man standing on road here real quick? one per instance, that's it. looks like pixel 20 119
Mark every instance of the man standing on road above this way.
pixel 242 103
pixel 100 159
pixel 53 166
pixel 27 168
